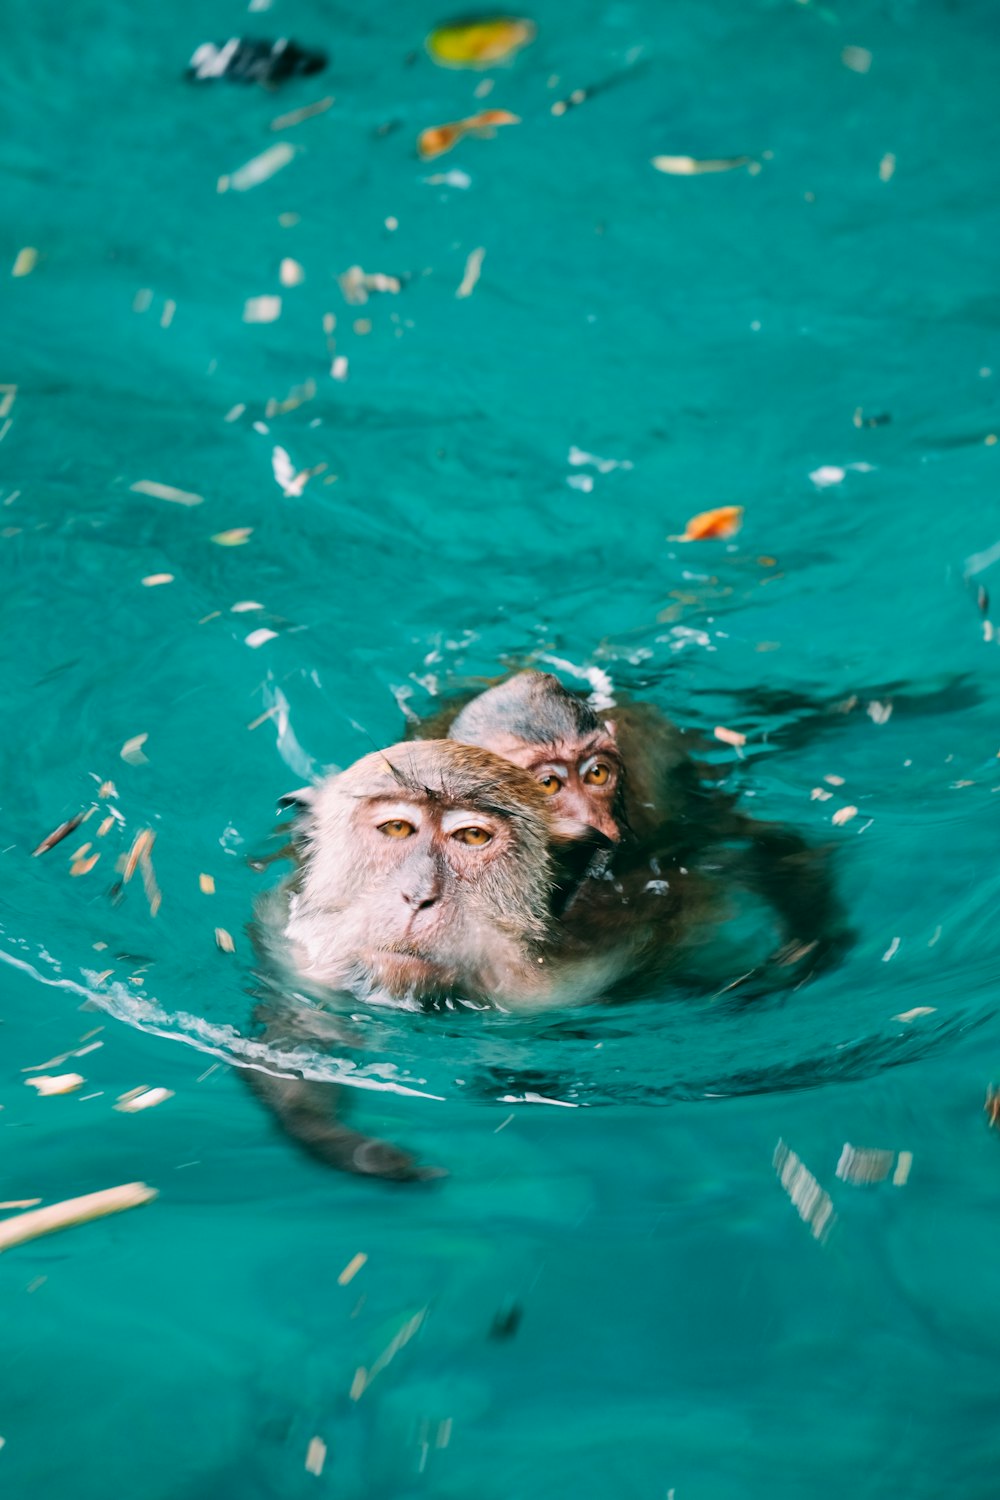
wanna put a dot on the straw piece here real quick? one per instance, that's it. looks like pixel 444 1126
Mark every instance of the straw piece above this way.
pixel 73 1211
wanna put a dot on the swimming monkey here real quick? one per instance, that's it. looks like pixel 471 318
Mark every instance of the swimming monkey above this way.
pixel 425 870
pixel 626 772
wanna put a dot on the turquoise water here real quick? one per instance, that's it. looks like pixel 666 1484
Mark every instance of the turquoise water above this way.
pixel 683 1330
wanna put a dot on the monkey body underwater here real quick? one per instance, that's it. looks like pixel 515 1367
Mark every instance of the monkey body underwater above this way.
pixel 506 873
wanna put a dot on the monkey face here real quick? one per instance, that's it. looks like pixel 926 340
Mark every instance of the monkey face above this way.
pixel 427 871
pixel 582 778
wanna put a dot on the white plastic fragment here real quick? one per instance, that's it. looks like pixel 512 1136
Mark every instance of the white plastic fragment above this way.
pixel 166 492
pixel 813 1205
pixel 827 474
pixel 260 637
pixel 25 262
pixel 137 1099
pixel 473 268
pixel 258 169
pixel 131 752
pixel 59 1083
pixel 265 309
pixel 291 272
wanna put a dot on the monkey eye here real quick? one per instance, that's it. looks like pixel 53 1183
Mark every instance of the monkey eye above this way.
pixel 599 774
pixel 550 784
pixel 397 828
pixel 477 837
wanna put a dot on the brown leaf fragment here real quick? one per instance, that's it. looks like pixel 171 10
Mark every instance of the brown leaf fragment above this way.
pixel 141 844
pixel 58 834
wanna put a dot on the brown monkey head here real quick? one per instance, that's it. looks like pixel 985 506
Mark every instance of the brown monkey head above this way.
pixel 426 870
pixel 539 725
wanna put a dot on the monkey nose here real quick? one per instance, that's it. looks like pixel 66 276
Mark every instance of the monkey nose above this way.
pixel 422 894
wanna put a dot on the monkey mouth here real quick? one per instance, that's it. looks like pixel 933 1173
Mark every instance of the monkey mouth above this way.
pixel 403 969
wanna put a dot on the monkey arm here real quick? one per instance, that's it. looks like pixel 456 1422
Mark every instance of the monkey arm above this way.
pixel 794 879
pixel 306 1110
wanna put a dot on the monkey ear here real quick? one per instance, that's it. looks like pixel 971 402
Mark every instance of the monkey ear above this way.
pixel 305 796
pixel 575 831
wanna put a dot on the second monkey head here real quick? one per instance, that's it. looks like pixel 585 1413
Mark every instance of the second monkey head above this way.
pixel 539 725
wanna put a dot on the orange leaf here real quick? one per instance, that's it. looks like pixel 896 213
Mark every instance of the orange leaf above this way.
pixel 709 525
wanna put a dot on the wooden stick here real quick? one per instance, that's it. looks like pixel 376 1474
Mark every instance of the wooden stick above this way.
pixel 73 1211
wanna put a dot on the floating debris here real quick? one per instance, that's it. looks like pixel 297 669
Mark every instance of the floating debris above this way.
pixel 456 178
pixel 473 267
pixel 131 752
pixel 296 116
pixel 886 167
pixel 577 456
pixel 59 1083
pixel 363 1378
pixel 248 60
pixel 153 580
pixel 25 261
pixel 62 832
pixel 338 369
pixel 244 606
pixel 258 169
pixel 291 272
pixel 479 43
pixel 83 866
pixel 879 713
pixel 917 1011
pixel 507 1319
pixel 206 884
pixel 729 736
pixel 73 1211
pixel 141 1098
pixel 224 940
pixel 691 166
pixel 813 1204
pixel 864 1164
pixel 712 525
pixel 237 537
pixel 826 475
pixel 858 59
pixel 260 637
pixel 352 1268
pixel 165 492
pixel 834 780
pixel 819 795
pixel 266 309
pixel 357 284
pixel 437 139
pixel 141 844
pixel 844 815
pixel 315 1456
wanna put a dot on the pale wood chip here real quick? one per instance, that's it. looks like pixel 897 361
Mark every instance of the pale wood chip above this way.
pixel 166 492
pixel 844 815
pixel 141 844
pixel 73 1211
pixel 729 736
pixel 25 262
pixel 59 1083
pixel 224 940
pixel 206 884
pixel 152 580
pixel 131 751
pixel 83 866
pixel 315 1456
pixel 352 1268
pixel 236 537
pixel 107 789
pixel 917 1011
pixel 137 1099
